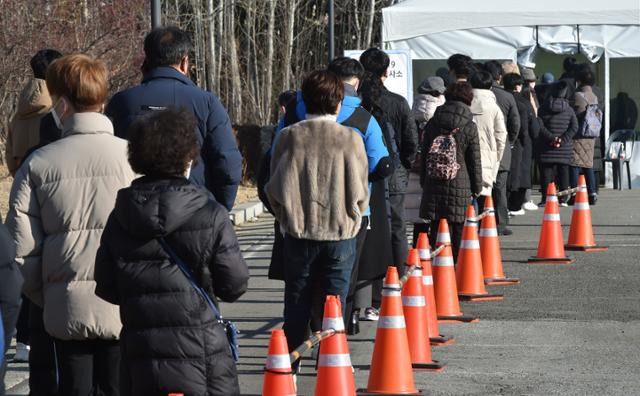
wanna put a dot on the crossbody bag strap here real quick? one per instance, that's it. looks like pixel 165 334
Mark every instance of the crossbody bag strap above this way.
pixel 183 268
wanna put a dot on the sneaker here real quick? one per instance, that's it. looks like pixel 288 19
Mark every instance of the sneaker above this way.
pixel 22 353
pixel 572 200
pixel 371 314
pixel 564 204
pixel 529 206
pixel 505 232
pixel 593 199
pixel 520 212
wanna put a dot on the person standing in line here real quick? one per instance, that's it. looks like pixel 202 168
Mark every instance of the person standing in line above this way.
pixel 10 288
pixel 318 191
pixel 166 83
pixel 59 204
pixel 136 273
pixel 492 132
pixel 460 67
pixel 529 92
pixel 449 199
pixel 507 104
pixel 398 114
pixel 522 149
pixel 585 106
pixel 555 142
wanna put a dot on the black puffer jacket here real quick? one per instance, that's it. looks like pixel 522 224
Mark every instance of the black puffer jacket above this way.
pixel 170 340
pixel 559 120
pixel 449 198
pixel 398 113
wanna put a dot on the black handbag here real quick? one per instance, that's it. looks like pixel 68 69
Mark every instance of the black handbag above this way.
pixel 229 327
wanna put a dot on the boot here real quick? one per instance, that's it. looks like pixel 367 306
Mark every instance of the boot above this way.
pixel 354 323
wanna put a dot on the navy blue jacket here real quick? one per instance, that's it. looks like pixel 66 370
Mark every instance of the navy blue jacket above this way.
pixel 219 167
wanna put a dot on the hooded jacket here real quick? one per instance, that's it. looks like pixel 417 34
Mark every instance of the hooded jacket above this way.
pixel 60 201
pixel 318 188
pixel 424 106
pixel 24 130
pixel 157 302
pixel 492 134
pixel 507 104
pixel 559 120
pixel 219 167
pixel 449 199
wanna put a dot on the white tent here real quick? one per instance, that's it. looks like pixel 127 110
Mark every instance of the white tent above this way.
pixel 513 29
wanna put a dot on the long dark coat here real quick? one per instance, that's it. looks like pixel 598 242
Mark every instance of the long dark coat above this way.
pixel 376 254
pixel 560 121
pixel 449 198
pixel 522 152
pixel 170 339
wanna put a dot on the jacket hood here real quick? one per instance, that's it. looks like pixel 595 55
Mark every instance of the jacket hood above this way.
pixel 428 98
pixel 34 99
pixel 152 208
pixel 482 99
pixel 452 114
pixel 557 105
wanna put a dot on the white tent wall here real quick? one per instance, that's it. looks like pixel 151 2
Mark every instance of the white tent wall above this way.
pixel 504 29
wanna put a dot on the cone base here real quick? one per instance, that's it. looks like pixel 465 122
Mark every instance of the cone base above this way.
pixel 365 392
pixel 433 366
pixel 550 260
pixel 480 297
pixel 594 248
pixel 501 281
pixel 457 319
pixel 442 340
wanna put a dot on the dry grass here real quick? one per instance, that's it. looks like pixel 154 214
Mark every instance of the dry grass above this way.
pixel 245 193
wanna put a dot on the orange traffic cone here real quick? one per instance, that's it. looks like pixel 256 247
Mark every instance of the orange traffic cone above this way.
pixel 391 371
pixel 415 314
pixel 581 231
pixel 335 375
pixel 469 274
pixel 444 281
pixel 490 249
pixel 424 256
pixel 278 377
pixel 551 244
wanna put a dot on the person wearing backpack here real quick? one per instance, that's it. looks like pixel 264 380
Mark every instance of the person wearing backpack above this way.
pixel 589 125
pixel 451 171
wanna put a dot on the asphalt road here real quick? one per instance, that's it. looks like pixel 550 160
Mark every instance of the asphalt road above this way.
pixel 569 330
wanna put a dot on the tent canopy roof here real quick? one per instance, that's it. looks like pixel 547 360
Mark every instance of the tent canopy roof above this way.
pixel 413 18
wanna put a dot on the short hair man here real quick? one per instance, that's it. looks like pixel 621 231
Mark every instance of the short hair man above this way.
pixel 507 104
pixel 460 66
pixel 397 113
pixel 166 83
pixel 318 192
pixel 33 106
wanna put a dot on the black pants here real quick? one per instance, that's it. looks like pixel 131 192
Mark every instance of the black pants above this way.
pixel 557 173
pixel 89 368
pixel 22 327
pixel 43 370
pixel 353 281
pixel 455 231
pixel 500 204
pixel 517 198
pixel 399 243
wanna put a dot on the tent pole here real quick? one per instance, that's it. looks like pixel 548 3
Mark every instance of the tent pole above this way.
pixel 608 171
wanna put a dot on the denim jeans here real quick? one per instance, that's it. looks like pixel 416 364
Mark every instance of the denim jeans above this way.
pixel 589 175
pixel 306 263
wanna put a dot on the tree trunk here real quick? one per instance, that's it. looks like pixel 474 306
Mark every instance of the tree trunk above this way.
pixel 268 85
pixel 236 84
pixel 372 14
pixel 288 45
pixel 211 48
pixel 356 17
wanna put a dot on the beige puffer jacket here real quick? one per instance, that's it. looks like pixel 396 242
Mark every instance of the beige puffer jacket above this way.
pixel 24 130
pixel 60 201
pixel 492 133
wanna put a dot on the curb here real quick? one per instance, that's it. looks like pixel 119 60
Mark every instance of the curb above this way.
pixel 246 212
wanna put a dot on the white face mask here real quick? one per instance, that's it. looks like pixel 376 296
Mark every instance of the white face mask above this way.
pixel 187 174
pixel 55 115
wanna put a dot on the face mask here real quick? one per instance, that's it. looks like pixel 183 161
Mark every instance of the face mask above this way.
pixel 54 114
pixel 187 174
